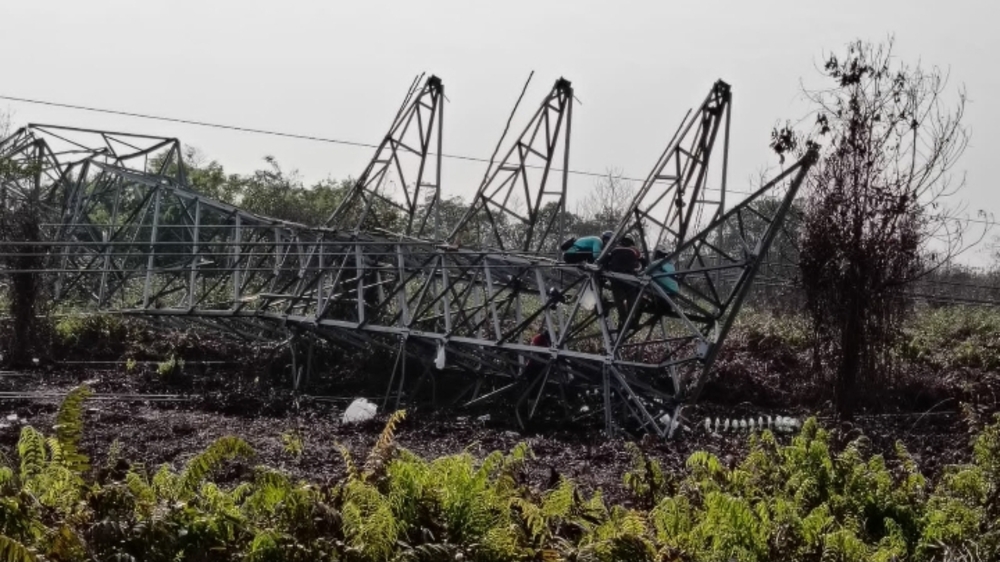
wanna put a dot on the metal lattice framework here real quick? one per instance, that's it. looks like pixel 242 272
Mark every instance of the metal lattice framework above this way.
pixel 130 235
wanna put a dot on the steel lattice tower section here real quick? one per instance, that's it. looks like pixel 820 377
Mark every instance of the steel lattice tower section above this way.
pixel 127 233
pixel 527 225
pixel 401 171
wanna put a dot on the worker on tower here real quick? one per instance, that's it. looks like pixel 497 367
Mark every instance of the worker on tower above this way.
pixel 533 367
pixel 623 258
pixel 586 249
pixel 663 274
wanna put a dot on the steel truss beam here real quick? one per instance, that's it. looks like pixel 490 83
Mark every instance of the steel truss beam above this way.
pixel 402 176
pixel 683 193
pixel 126 233
pixel 517 197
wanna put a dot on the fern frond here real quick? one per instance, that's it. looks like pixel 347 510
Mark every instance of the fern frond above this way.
pixel 558 503
pixel 13 551
pixel 65 545
pixel 368 521
pixel 69 428
pixel 114 454
pixel 534 518
pixel 352 469
pixel 6 476
pixel 57 487
pixel 31 448
pixel 264 546
pixel 165 484
pixel 429 553
pixel 203 464
pixel 270 489
pixel 382 450
pixel 56 454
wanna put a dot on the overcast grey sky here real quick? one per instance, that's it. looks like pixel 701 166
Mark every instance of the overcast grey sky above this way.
pixel 340 69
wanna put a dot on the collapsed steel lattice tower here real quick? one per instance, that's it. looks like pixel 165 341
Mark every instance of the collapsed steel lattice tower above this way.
pixel 127 233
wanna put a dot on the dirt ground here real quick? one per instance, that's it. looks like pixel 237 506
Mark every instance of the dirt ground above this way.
pixel 153 432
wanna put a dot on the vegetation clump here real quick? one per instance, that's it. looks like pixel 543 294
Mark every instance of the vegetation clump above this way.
pixel 801 500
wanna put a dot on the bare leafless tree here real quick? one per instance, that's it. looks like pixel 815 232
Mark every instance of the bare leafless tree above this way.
pixel 609 200
pixel 6 124
pixel 874 216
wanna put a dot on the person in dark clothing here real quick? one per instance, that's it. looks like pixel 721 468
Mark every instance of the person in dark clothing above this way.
pixel 533 368
pixel 624 258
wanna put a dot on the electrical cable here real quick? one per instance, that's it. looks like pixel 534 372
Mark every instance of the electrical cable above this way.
pixel 357 144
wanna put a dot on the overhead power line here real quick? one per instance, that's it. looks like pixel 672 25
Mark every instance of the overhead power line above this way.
pixel 357 144
pixel 242 129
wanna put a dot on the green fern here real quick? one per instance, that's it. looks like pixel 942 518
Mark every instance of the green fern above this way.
pixel 166 484
pixel 7 478
pixel 13 551
pixel 800 501
pixel 382 451
pixel 622 536
pixel 352 469
pixel 31 447
pixel 646 480
pixel 65 544
pixel 69 429
pixel 202 465
pixel 265 547
pixel 430 553
pixel 557 507
pixel 269 490
pixel 370 526
pixel 292 444
pixel 844 545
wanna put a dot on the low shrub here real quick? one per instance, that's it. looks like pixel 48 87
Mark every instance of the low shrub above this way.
pixel 796 501
pixel 954 336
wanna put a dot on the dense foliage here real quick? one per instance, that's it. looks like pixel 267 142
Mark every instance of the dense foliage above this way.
pixel 797 501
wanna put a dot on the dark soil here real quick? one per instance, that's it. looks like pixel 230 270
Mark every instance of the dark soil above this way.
pixel 227 389
pixel 153 433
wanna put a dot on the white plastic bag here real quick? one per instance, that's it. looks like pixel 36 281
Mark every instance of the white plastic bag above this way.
pixel 439 361
pixel 359 411
pixel 589 299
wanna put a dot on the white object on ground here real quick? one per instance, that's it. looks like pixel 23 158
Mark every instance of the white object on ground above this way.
pixel 439 361
pixel 360 410
pixel 589 299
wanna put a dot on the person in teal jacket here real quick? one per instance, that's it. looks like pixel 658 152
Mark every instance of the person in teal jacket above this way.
pixel 663 274
pixel 586 249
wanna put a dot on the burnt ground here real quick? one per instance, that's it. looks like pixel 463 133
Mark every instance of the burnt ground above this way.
pixel 153 432
pixel 243 391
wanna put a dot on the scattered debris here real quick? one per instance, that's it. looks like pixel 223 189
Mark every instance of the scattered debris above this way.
pixel 360 410
pixel 783 424
pixel 439 361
